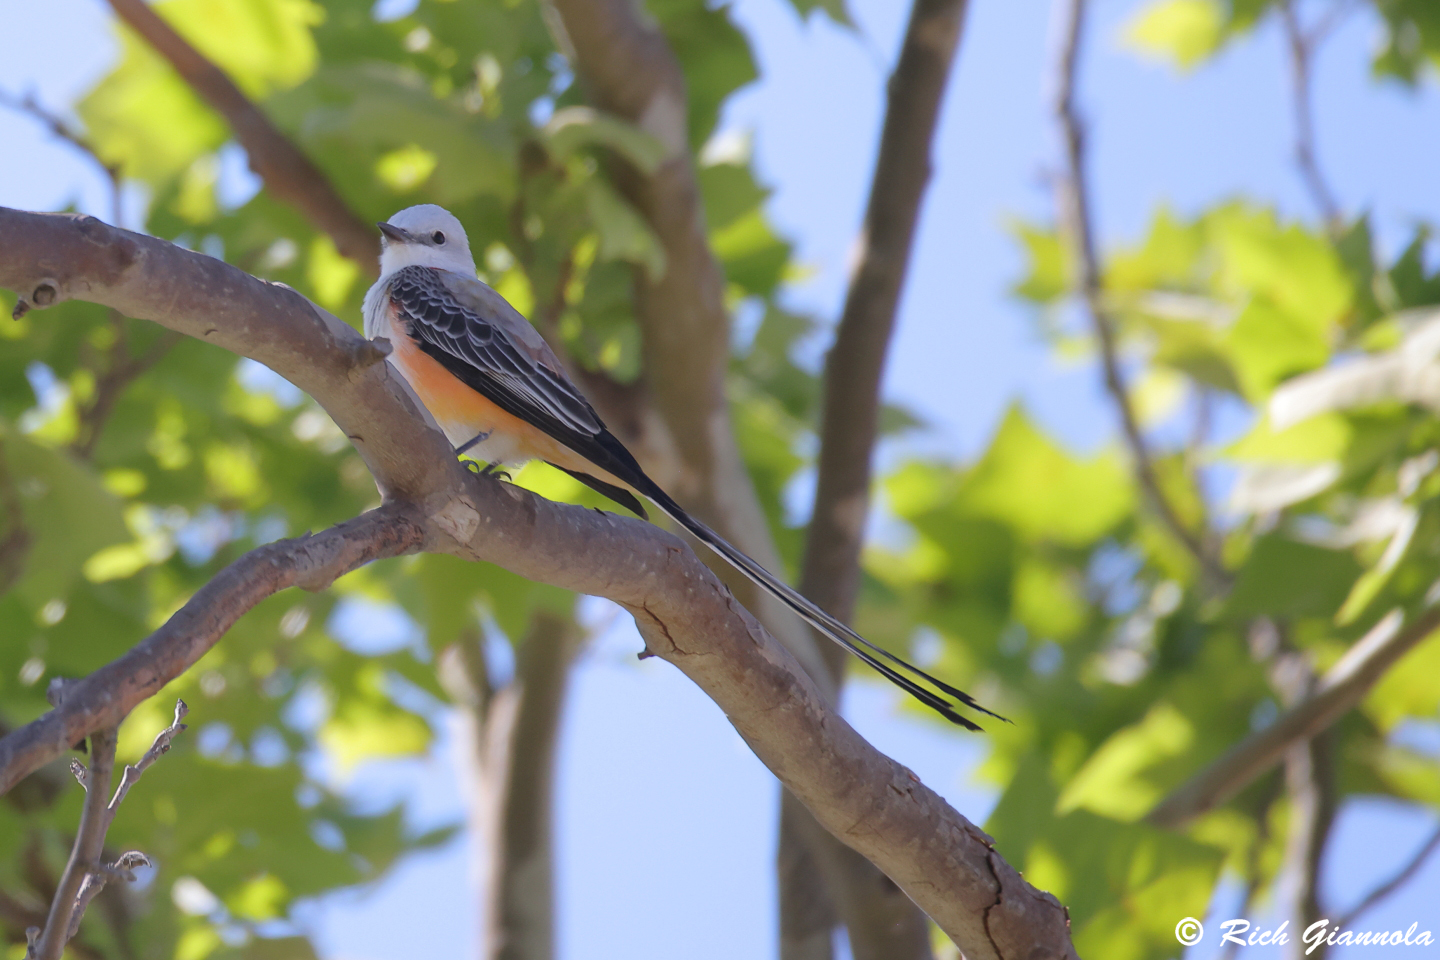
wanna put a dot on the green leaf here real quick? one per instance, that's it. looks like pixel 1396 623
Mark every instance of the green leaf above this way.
pixel 1182 33
pixel 834 9
pixel 1284 578
pixel 69 512
pixel 1030 483
pixel 753 256
pixel 147 120
pixel 1113 782
pixel 144 117
pixel 1050 267
pixel 572 128
pixel 1123 883
pixel 624 234
pixel 1315 440
pixel 1412 37
pixel 1267 345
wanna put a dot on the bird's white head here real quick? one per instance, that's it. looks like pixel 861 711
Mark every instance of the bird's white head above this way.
pixel 425 236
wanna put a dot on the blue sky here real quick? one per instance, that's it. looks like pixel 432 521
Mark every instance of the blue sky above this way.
pixel 644 756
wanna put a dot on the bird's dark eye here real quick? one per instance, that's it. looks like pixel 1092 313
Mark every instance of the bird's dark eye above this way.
pixel 438 237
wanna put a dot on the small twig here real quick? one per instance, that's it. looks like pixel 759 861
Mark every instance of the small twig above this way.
pixel 1394 883
pixel 1076 216
pixel 84 855
pixel 16 545
pixel 159 748
pixel 120 371
pixel 1302 51
pixel 57 126
pixel 85 876
pixel 122 869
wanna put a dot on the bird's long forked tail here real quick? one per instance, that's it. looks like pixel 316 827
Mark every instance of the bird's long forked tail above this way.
pixel 906 676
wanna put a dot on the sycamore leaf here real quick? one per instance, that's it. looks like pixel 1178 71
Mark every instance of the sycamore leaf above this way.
pixel 1182 33
pixel 624 234
pixel 1025 480
pixel 571 128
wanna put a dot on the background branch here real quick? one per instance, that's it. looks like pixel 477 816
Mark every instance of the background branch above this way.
pixel 57 126
pixel 1301 47
pixel 881 921
pixel 628 69
pixel 288 174
pixel 946 864
pixel 1074 203
pixel 16 543
pixel 1394 883
pixel 1342 687
pixel 94 819
pixel 102 699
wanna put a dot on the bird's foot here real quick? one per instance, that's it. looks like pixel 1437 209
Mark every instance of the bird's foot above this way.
pixel 494 470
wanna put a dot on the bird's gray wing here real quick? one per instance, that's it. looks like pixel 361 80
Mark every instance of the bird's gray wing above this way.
pixel 476 335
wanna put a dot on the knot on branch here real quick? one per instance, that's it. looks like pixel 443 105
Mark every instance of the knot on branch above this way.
pixel 46 292
pixel 364 354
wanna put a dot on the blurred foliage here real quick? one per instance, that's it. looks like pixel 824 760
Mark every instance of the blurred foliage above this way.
pixel 1188 32
pixel 1051 589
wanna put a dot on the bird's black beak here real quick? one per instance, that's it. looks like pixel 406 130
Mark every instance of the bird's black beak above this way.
pixel 393 232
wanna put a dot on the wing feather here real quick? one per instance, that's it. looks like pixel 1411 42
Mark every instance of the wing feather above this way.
pixel 473 343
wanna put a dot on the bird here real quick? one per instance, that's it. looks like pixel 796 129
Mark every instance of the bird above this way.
pixel 498 392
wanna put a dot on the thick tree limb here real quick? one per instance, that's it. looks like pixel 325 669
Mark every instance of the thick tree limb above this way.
pixel 288 174
pixel 1074 201
pixel 881 922
pixel 512 739
pixel 942 861
pixel 518 762
pixel 1344 686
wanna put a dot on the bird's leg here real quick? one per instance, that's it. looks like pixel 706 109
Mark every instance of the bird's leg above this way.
pixel 478 438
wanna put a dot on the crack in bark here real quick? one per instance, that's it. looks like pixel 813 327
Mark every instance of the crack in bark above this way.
pixel 999 896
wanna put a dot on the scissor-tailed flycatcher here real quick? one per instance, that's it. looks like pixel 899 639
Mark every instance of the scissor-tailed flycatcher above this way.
pixel 499 392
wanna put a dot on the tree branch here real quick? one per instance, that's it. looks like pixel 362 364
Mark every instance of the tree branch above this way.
pixel 58 127
pixel 15 546
pixel 85 854
pixel 1301 47
pixel 73 896
pixel 882 923
pixel 942 861
pixel 288 174
pixel 517 765
pixel 629 70
pixel 1393 884
pixel 105 697
pixel 1074 202
pixel 120 370
pixel 853 368
pixel 1344 686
